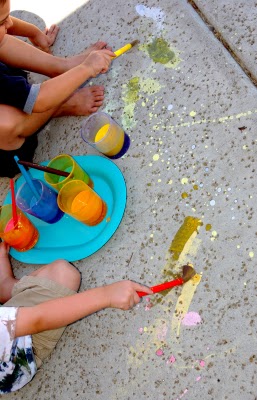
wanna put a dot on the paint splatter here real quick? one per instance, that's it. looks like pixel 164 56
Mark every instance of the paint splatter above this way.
pixel 159 352
pixel 198 378
pixel 192 113
pixel 202 363
pixel 184 181
pixel 191 319
pixel 154 13
pixel 189 226
pixel 184 195
pixel 251 254
pixel 171 360
pixel 156 157
pixel 183 304
pixel 208 227
pixel 160 52
pixel 133 88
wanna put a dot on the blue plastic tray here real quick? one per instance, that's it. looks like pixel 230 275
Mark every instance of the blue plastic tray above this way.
pixel 68 238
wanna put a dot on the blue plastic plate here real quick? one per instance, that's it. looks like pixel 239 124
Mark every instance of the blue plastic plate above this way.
pixel 68 238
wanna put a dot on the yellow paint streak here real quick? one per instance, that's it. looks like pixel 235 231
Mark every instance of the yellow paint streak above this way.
pixel 189 226
pixel 183 304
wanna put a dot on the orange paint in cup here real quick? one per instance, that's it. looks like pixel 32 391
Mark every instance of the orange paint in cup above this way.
pixel 78 200
pixel 23 235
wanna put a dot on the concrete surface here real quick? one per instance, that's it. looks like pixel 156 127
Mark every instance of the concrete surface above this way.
pixel 193 154
pixel 235 24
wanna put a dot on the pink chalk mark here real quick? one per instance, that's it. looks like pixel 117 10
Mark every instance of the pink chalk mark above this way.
pixel 171 360
pixel 159 352
pixel 191 319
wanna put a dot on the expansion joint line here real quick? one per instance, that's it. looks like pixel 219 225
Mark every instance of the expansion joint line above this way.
pixel 223 41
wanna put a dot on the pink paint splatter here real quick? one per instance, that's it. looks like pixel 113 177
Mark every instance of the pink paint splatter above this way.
pixel 191 319
pixel 171 360
pixel 198 378
pixel 202 363
pixel 182 394
pixel 141 330
pixel 159 352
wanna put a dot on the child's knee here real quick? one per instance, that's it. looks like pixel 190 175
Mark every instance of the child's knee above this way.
pixel 67 273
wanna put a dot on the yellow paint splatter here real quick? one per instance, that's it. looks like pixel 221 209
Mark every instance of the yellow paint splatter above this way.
pixel 195 187
pixel 189 226
pixel 184 195
pixel 170 182
pixel 251 254
pixel 192 113
pixel 150 86
pixel 208 227
pixel 156 157
pixel 214 233
pixel 184 181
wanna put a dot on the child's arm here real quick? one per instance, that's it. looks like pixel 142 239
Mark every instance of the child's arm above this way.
pixel 42 39
pixel 63 311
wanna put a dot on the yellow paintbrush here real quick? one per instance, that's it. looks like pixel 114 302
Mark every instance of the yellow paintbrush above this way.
pixel 125 48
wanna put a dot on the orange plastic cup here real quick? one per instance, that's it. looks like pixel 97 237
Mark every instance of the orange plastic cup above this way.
pixel 78 200
pixel 22 235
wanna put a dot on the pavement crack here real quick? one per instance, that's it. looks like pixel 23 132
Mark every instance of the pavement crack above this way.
pixel 224 42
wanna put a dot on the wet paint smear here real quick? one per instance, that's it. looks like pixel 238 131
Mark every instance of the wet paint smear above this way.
pixel 160 52
pixel 184 233
pixel 133 88
pixel 183 304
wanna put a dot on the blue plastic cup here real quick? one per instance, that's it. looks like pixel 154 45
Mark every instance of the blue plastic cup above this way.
pixel 45 207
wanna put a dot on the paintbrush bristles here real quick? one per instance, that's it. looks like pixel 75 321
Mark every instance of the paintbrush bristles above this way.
pixel 134 42
pixel 188 273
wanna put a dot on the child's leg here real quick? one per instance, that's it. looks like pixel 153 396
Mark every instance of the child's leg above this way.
pixel 7 279
pixel 58 279
pixel 15 125
pixel 61 272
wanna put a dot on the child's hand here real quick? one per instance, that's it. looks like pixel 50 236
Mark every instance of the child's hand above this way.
pixel 44 40
pixel 99 61
pixel 4 250
pixel 124 295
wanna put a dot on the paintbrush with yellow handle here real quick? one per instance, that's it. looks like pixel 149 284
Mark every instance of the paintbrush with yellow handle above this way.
pixel 125 48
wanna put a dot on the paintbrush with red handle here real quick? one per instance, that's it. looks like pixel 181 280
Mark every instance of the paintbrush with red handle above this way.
pixel 188 273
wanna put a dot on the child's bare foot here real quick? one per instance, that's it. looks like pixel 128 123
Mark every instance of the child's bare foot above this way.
pixel 84 102
pixel 78 59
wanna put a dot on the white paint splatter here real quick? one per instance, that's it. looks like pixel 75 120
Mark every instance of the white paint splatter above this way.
pixel 154 13
pixel 170 106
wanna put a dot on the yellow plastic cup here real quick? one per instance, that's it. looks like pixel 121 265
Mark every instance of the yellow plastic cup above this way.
pixel 66 163
pixel 103 133
pixel 78 200
pixel 21 235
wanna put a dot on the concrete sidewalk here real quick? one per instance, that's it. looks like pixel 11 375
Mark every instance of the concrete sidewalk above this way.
pixel 190 111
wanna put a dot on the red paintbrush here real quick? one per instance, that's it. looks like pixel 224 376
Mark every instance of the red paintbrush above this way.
pixel 188 273
pixel 14 211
